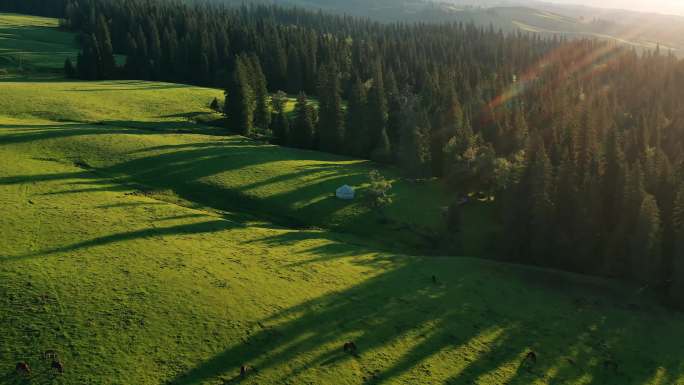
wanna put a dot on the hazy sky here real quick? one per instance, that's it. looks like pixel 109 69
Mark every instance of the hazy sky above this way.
pixel 660 6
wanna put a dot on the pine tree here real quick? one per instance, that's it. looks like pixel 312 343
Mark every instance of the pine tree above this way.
pixel 295 82
pixel 376 112
pixel 281 128
pixel 262 115
pixel 646 244
pixel 69 70
pixel 677 287
pixel 331 116
pixel 414 146
pixel 356 133
pixel 541 186
pixel 383 150
pixel 132 60
pixel 240 104
pixel 89 59
pixel 302 132
pixel 106 63
pixel 565 214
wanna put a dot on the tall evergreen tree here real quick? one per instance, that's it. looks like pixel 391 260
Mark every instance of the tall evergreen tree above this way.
pixel 356 133
pixel 414 150
pixel 106 65
pixel 240 103
pixel 262 114
pixel 677 286
pixel 69 70
pixel 541 185
pixel 331 116
pixel 302 131
pixel 376 112
pixel 646 244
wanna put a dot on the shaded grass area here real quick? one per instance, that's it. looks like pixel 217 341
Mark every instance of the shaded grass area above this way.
pixel 34 43
pixel 132 290
pixel 291 187
pixel 146 134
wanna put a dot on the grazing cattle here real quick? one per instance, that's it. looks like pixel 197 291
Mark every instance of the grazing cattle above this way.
pixel 244 369
pixel 350 347
pixel 529 361
pixel 23 369
pixel 58 366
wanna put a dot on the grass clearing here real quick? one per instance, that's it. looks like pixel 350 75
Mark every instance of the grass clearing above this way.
pixel 36 43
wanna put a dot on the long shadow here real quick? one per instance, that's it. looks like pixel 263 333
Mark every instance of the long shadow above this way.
pixel 459 331
pixel 145 87
pixel 186 229
pixel 187 170
pixel 65 130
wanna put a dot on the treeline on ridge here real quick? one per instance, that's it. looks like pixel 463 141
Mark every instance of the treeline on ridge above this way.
pixel 580 143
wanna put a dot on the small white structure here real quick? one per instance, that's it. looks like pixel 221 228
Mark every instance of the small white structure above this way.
pixel 345 192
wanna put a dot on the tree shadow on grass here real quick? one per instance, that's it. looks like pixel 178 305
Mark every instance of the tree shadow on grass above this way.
pixel 209 226
pixel 194 173
pixel 459 331
pixel 59 131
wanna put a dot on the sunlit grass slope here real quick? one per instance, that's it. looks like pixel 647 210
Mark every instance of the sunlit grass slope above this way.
pixel 33 42
pixel 133 290
pixel 90 124
pixel 145 249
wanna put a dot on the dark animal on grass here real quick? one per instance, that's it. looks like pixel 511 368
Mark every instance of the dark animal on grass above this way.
pixel 529 361
pixel 350 347
pixel 23 369
pixel 58 366
pixel 244 370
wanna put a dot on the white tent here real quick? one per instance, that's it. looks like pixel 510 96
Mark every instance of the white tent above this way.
pixel 345 192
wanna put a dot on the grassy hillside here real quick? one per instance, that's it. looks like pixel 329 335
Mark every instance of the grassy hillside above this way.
pixel 292 187
pixel 33 43
pixel 129 289
pixel 144 248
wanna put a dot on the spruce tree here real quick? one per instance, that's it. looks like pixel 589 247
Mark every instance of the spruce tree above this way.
pixel 356 133
pixel 677 286
pixel 302 132
pixel 331 117
pixel 376 112
pixel 262 114
pixel 240 105
pixel 383 149
pixel 414 146
pixel 646 243
pixel 541 186
pixel 106 63
pixel 281 128
pixel 69 70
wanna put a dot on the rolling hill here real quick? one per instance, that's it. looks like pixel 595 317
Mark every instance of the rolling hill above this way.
pixel 643 31
pixel 145 248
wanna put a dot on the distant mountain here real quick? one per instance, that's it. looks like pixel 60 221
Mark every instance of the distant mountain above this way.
pixel 640 30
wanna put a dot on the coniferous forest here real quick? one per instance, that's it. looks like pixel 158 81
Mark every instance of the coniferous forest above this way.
pixel 579 143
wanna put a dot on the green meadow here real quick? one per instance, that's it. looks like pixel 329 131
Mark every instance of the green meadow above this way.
pixel 147 248
pixel 31 43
